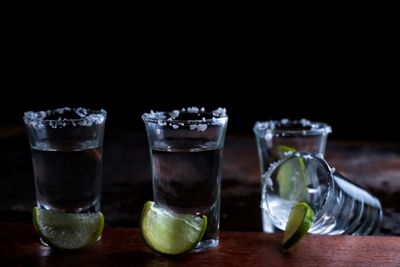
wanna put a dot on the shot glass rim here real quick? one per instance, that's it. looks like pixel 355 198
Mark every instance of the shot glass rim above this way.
pixel 218 116
pixel 89 117
pixel 298 154
pixel 270 127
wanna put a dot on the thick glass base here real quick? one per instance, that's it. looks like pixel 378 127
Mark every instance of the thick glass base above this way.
pixel 268 226
pixel 205 245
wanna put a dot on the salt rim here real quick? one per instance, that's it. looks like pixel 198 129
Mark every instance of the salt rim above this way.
pixel 88 117
pixel 163 118
pixel 270 127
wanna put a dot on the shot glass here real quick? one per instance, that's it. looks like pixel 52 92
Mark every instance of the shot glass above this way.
pixel 186 153
pixel 340 206
pixel 66 147
pixel 277 138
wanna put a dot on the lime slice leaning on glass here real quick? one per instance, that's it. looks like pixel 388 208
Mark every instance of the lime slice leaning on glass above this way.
pixel 300 220
pixel 168 232
pixel 68 230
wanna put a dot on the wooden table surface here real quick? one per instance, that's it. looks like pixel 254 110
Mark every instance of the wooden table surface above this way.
pixel 19 246
pixel 127 186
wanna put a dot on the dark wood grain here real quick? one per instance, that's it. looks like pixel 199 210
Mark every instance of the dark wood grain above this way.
pixel 19 246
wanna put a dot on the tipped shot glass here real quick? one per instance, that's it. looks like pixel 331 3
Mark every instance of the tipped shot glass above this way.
pixel 340 206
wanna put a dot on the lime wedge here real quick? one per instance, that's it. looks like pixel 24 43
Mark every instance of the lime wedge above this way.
pixel 300 220
pixel 170 233
pixel 68 230
pixel 292 177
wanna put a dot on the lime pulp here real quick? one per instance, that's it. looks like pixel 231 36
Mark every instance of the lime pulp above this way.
pixel 68 230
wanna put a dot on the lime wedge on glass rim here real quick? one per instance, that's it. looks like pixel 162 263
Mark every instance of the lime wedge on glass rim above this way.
pixel 291 176
pixel 168 232
pixel 299 222
pixel 68 230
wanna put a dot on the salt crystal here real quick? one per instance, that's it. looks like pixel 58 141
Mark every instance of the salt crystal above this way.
pixel 287 153
pixel 193 109
pixel 61 110
pixel 268 180
pixel 265 125
pixel 174 114
pixel 272 166
pixel 307 156
pixel 268 136
pixel 81 112
pixel 305 122
pixel 201 127
pixel 220 112
pixel 161 123
pixel 270 184
pixel 327 130
pixel 198 127
pixel 53 124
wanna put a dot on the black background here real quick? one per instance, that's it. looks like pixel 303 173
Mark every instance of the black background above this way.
pixel 344 75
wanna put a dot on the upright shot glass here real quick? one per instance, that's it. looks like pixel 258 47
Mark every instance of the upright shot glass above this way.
pixel 186 153
pixel 276 138
pixel 66 146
